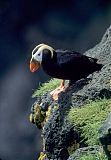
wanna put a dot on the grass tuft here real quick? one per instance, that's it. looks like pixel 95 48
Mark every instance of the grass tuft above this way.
pixel 97 156
pixel 46 87
pixel 89 118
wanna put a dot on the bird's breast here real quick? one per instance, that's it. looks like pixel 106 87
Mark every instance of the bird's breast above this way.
pixel 52 69
pixel 57 71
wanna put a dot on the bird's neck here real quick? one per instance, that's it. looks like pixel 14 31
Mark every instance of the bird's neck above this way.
pixel 47 59
pixel 48 63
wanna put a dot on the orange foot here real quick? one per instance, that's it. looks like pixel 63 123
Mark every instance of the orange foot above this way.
pixel 58 90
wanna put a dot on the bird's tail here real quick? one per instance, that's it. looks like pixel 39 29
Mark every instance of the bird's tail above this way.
pixel 96 66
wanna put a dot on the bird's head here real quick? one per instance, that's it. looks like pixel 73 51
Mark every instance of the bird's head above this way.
pixel 37 56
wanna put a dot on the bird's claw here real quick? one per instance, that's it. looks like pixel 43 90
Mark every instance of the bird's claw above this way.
pixel 56 92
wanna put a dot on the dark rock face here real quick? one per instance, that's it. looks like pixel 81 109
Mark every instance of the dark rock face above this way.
pixel 58 135
pixel 99 84
pixel 105 136
pixel 106 126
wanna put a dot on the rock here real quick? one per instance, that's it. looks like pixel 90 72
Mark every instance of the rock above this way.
pixel 58 135
pixel 91 151
pixel 105 136
pixel 106 126
pixel 98 84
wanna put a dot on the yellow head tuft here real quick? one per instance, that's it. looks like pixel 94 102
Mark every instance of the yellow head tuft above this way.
pixel 41 47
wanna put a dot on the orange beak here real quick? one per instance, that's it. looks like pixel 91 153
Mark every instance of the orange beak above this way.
pixel 34 65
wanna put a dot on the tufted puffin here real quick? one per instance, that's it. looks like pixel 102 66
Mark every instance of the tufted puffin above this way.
pixel 62 64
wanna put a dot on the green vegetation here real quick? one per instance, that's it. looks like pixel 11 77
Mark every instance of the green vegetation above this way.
pixel 46 87
pixel 42 156
pixel 97 156
pixel 89 118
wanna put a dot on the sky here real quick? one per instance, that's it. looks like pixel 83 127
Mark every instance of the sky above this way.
pixel 72 24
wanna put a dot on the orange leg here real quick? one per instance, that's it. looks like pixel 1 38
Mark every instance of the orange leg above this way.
pixel 58 90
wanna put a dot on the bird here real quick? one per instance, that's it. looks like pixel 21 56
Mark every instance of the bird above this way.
pixel 62 64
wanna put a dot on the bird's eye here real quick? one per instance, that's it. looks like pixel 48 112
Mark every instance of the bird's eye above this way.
pixel 38 54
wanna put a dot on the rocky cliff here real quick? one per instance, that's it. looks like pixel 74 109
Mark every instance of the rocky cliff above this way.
pixel 75 126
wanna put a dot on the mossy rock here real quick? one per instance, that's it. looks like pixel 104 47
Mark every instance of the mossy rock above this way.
pixel 37 116
pixel 46 87
pixel 89 153
pixel 89 118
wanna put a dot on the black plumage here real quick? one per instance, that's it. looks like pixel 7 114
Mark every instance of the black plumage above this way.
pixel 68 65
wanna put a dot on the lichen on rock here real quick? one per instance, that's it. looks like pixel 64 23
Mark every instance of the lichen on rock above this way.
pixel 61 137
pixel 89 153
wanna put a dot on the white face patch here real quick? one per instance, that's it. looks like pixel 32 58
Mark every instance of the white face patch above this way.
pixel 37 56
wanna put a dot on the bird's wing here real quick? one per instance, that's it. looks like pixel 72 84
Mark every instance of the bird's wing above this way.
pixel 70 57
pixel 74 60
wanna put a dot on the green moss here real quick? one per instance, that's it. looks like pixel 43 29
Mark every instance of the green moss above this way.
pixel 73 147
pixel 46 87
pixel 97 156
pixel 38 116
pixel 89 118
pixel 42 156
